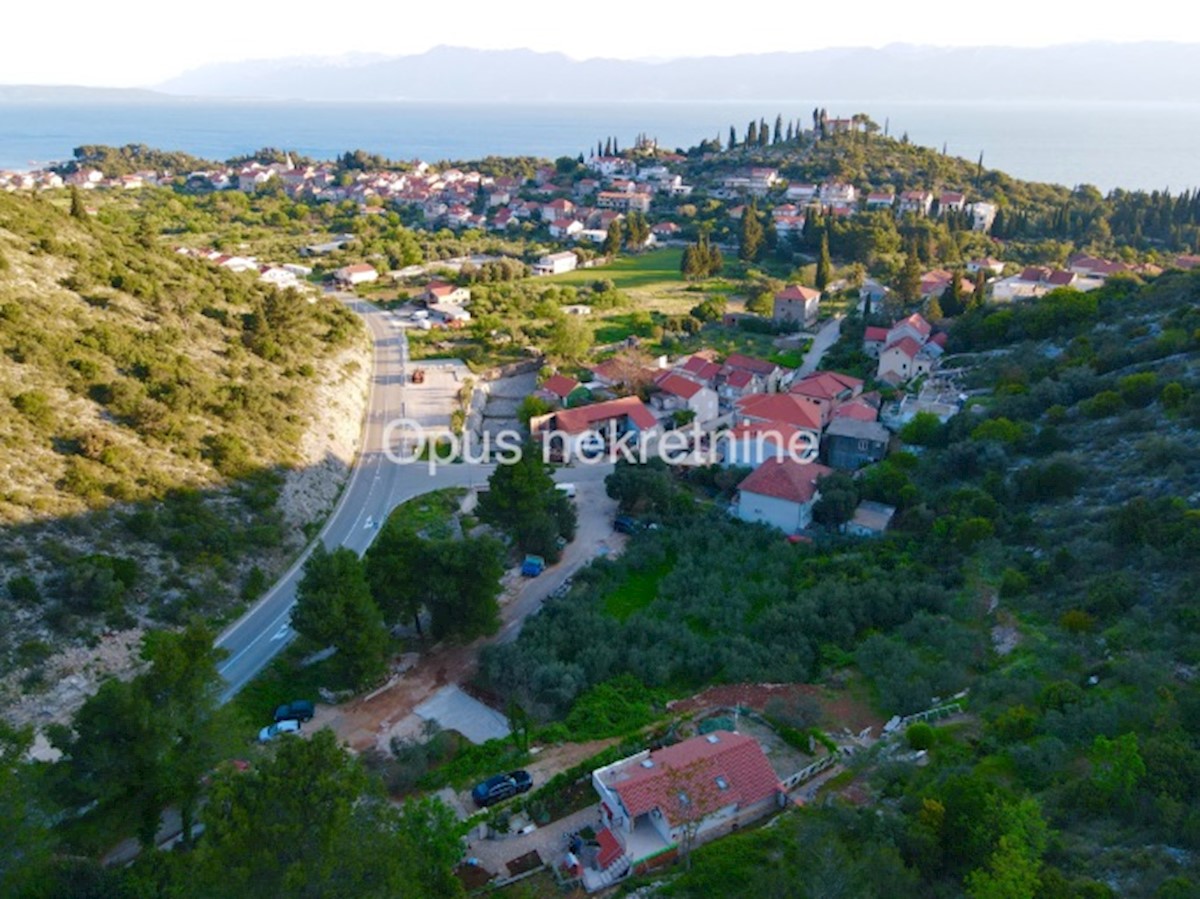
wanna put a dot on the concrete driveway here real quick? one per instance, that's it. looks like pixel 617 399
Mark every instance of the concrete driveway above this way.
pixel 455 710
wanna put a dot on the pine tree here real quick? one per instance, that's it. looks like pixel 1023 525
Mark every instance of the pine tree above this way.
pixel 778 138
pixel 824 264
pixel 751 238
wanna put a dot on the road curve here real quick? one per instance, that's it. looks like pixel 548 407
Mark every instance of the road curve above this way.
pixel 376 486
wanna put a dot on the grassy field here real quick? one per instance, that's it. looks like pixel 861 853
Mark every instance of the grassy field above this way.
pixel 637 592
pixel 647 270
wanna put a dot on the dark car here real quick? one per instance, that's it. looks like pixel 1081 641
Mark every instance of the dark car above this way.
pixel 501 787
pixel 626 524
pixel 296 710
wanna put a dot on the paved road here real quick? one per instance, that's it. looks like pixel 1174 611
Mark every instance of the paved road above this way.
pixel 826 337
pixel 375 487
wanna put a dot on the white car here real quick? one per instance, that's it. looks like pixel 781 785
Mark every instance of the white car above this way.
pixel 271 731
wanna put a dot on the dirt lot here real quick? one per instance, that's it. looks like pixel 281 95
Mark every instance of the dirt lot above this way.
pixel 841 710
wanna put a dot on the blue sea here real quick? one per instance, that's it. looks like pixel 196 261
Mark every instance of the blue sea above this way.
pixel 1148 146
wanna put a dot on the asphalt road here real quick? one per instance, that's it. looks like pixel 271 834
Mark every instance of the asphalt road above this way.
pixel 376 486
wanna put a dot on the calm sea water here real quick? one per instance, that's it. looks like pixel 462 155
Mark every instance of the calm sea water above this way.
pixel 1109 145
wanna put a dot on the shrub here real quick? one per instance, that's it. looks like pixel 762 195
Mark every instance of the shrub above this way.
pixel 920 736
pixel 1104 404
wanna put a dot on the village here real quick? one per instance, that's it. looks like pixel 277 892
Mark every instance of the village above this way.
pixel 751 392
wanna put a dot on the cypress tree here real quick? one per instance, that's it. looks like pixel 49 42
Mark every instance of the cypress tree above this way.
pixel 608 147
pixel 732 137
pixel 751 238
pixel 778 129
pixel 78 210
pixel 824 264
pixel 752 134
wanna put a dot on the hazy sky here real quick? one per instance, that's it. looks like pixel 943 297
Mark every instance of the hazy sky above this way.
pixel 141 42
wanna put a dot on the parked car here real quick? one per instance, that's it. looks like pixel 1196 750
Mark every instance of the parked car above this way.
pixel 271 731
pixel 297 709
pixel 501 787
pixel 533 566
pixel 626 524
pixel 567 488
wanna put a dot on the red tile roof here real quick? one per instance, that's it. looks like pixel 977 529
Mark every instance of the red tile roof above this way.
pixel 583 418
pixel 825 385
pixel 758 366
pixel 907 346
pixel 560 385
pixel 781 430
pixel 797 292
pixel 740 378
pixel 786 479
pixel 873 334
pixel 780 407
pixel 857 409
pixel 610 848
pixel 702 368
pixel 679 385
pixel 917 321
pixel 711 772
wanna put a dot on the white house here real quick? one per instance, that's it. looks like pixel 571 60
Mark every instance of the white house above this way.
pixel 801 192
pixel 362 273
pixel 751 443
pixel 566 227
pixel 918 202
pixel 679 393
pixel 982 215
pixel 556 263
pixel 781 493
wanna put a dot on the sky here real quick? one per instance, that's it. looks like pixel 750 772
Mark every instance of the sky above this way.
pixel 139 43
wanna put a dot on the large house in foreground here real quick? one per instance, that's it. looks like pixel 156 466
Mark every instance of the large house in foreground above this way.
pixel 695 790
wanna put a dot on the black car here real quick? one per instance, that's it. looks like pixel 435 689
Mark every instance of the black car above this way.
pixel 626 524
pixel 501 787
pixel 296 710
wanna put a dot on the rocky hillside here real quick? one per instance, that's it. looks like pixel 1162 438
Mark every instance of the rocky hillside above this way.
pixel 168 428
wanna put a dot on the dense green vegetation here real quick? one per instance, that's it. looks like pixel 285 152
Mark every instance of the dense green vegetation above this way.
pixel 1044 558
pixel 152 405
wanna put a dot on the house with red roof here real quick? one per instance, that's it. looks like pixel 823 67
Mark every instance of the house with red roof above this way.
pixel 825 391
pixel 596 427
pixel 675 393
pixel 909 351
pixel 703 787
pixel 750 443
pixel 558 389
pixel 700 368
pixel 918 202
pixel 443 292
pixel 740 382
pixel 781 492
pixel 769 372
pixel 797 305
pixel 874 340
pixel 360 273
pixel 786 407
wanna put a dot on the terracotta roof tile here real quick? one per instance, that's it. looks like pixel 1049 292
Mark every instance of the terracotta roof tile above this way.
pixel 785 479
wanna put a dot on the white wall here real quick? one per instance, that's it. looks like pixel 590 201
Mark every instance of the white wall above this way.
pixel 789 517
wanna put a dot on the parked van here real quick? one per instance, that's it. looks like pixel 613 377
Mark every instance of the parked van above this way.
pixel 568 489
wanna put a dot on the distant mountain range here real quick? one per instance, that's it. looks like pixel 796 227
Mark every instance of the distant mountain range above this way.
pixel 66 93
pixel 1082 72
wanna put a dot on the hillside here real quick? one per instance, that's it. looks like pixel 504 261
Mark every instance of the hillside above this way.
pixel 168 428
pixel 1132 72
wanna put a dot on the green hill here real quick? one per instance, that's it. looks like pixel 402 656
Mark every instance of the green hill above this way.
pixel 150 407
